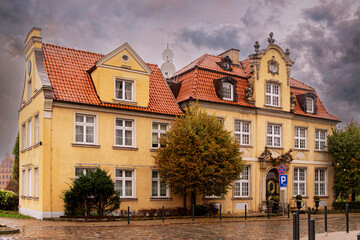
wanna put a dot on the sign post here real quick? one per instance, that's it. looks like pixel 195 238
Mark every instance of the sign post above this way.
pixel 283 184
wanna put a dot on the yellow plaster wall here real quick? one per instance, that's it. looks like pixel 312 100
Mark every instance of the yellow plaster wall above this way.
pixel 117 61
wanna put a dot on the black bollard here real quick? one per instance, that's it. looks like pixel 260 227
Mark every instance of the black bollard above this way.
pixel 298 223
pixel 220 211
pixel 245 211
pixel 128 215
pixel 288 210
pixel 309 217
pixel 347 217
pixel 325 220
pixel 163 214
pixel 358 236
pixel 312 229
pixel 268 207
pixel 193 212
pixel 294 227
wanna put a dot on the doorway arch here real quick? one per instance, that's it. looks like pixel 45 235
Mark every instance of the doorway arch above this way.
pixel 272 184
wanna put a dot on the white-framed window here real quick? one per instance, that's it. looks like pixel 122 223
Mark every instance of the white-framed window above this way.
pixel 159 188
pixel 320 139
pixel 300 138
pixel 299 181
pixel 36 182
pixel 309 105
pixel 85 128
pixel 158 130
pixel 273 136
pixel 29 89
pixel 124 89
pixel 272 94
pixel 23 136
pixel 29 183
pixel 242 132
pixel 242 186
pixel 29 133
pixel 124 132
pixel 36 128
pixel 23 182
pixel 228 91
pixel 124 183
pixel 320 182
pixel 82 170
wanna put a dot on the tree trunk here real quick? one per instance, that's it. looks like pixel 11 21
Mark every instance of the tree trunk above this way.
pixel 353 197
pixel 193 198
pixel 184 199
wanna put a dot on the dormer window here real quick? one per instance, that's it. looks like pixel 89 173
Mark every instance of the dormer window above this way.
pixel 309 105
pixel 225 63
pixel 124 90
pixel 228 91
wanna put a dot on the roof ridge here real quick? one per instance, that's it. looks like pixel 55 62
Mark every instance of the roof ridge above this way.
pixel 180 70
pixel 302 83
pixel 195 84
pixel 74 49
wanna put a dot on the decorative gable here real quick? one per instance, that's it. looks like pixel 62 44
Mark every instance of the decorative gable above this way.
pixel 225 63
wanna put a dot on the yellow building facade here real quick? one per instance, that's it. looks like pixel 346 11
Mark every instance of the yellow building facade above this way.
pixel 82 110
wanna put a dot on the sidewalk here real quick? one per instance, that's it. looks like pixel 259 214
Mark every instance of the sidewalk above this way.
pixel 352 235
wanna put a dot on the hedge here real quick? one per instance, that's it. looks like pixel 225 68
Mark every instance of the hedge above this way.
pixel 8 200
pixel 341 205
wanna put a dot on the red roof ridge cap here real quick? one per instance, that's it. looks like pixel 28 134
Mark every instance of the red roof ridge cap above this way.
pixel 73 49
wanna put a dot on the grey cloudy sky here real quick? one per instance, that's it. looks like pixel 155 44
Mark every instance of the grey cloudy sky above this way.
pixel 323 38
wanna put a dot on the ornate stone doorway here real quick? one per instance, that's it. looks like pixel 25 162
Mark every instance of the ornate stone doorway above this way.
pixel 272 184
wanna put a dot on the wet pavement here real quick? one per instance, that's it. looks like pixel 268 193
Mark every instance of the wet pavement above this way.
pixel 257 228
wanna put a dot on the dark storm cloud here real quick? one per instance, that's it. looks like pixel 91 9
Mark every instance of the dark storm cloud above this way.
pixel 329 40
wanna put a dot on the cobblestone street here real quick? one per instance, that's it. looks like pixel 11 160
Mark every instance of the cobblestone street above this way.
pixel 275 228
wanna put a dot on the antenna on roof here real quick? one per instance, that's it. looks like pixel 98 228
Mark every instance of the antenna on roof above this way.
pixel 167 68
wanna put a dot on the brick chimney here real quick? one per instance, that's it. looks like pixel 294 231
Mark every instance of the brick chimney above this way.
pixel 233 55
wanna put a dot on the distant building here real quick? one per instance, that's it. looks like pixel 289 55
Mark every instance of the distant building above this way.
pixel 6 169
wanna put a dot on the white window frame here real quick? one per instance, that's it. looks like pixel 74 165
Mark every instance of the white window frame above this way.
pixel 158 181
pixel 239 190
pixel 226 85
pixel 23 136
pixel 123 97
pixel 123 129
pixel 23 182
pixel 319 182
pixel 319 140
pixel 240 134
pixel 123 178
pixel 36 182
pixel 29 187
pixel 298 182
pixel 273 136
pixel 309 105
pixel 29 132
pixel 84 124
pixel 83 170
pixel 272 95
pixel 36 128
pixel 298 138
pixel 159 132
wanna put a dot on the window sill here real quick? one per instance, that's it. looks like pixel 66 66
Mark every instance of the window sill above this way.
pixel 153 149
pixel 160 199
pixel 28 148
pixel 125 101
pixel 36 198
pixel 22 197
pixel 322 151
pixel 275 148
pixel 275 107
pixel 213 198
pixel 125 148
pixel 241 198
pixel 85 145
pixel 128 199
pixel 304 197
pixel 246 146
pixel 37 144
pixel 301 149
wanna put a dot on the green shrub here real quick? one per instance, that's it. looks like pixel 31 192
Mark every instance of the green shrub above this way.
pixel 8 200
pixel 202 210
pixel 341 205
pixel 316 198
pixel 275 199
pixel 298 197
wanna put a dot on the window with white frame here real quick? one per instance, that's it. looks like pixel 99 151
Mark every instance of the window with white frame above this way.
pixel 124 89
pixel 158 130
pixel 36 182
pixel 124 132
pixel 29 89
pixel 320 139
pixel 36 128
pixel 84 128
pixel 124 183
pixel 273 136
pixel 29 133
pixel 158 186
pixel 299 181
pixel 242 132
pixel 82 170
pixel 272 95
pixel 23 136
pixel 300 138
pixel 23 182
pixel 228 91
pixel 242 186
pixel 29 183
pixel 309 105
pixel 320 182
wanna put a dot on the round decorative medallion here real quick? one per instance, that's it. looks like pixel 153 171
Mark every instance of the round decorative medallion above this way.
pixel 125 58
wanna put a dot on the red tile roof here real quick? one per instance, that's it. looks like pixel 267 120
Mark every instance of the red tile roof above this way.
pixel 67 71
pixel 197 83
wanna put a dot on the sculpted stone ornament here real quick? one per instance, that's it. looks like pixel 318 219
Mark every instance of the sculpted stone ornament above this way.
pixel 270 39
pixel 292 101
pixel 257 46
pixel 249 94
pixel 287 52
pixel 266 156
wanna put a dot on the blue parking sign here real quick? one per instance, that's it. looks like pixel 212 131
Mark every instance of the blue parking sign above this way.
pixel 283 180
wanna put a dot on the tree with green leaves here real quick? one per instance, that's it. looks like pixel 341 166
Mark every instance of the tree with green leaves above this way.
pixel 344 146
pixel 199 156
pixel 94 191
pixel 13 184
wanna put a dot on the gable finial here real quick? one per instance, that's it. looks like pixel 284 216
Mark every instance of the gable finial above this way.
pixel 287 52
pixel 257 46
pixel 270 39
